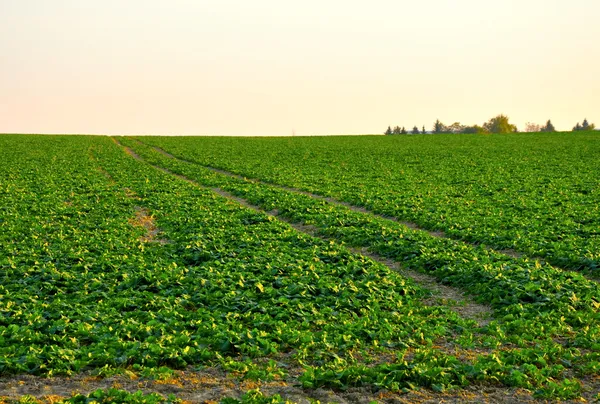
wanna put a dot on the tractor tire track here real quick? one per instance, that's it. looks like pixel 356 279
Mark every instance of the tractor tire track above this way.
pixel 464 305
pixel 414 226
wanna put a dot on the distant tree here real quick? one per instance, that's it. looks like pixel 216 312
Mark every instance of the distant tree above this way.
pixel 438 127
pixel 415 131
pixel 577 127
pixel 423 130
pixel 388 131
pixel 587 126
pixel 474 129
pixel 403 131
pixel 548 127
pixel 396 130
pixel 456 127
pixel 532 127
pixel 500 124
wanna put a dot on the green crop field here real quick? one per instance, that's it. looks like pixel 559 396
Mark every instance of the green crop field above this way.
pixel 334 269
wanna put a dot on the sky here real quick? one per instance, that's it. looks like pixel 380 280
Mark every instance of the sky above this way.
pixel 310 67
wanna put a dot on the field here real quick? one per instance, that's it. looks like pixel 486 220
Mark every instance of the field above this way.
pixel 420 268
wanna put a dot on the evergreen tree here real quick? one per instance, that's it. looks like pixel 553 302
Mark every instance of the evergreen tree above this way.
pixel 548 127
pixel 423 130
pixel 415 131
pixel 438 127
pixel 404 132
pixel 388 131
pixel 396 130
pixel 585 125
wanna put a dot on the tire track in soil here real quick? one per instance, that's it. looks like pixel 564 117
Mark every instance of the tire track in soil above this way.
pixel 210 385
pixel 438 234
pixel 451 298
pixel 99 168
pixel 469 309
pixel 143 218
pixel 328 199
pixel 471 393
pixel 463 304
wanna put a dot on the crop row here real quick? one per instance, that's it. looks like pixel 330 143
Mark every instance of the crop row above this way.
pixel 535 194
pixel 83 289
pixel 550 316
pixel 114 395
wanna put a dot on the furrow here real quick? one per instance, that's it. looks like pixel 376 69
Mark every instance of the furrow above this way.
pixel 434 233
pixel 463 305
pixel 515 288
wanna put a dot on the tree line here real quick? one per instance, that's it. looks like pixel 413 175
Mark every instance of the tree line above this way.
pixel 497 124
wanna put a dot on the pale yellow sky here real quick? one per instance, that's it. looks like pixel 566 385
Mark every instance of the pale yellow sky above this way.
pixel 267 67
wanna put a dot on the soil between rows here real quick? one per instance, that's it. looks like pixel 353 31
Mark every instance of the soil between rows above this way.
pixel 463 305
pixel 212 385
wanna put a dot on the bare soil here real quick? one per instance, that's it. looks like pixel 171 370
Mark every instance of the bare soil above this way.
pixel 211 386
pixel 144 219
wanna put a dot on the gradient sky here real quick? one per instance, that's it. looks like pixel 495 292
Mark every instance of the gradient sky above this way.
pixel 270 67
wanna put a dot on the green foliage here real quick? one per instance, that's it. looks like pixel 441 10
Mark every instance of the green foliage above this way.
pixel 439 127
pixel 456 127
pixel 117 396
pixel 534 303
pixel 83 289
pixel 475 129
pixel 584 126
pixel 112 395
pixel 256 397
pixel 105 396
pixel 587 126
pixel 536 194
pixel 499 124
pixel 548 127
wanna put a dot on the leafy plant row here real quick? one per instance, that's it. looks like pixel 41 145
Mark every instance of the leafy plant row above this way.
pixel 536 305
pixel 113 395
pixel 535 194
pixel 82 290
pixel 502 281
